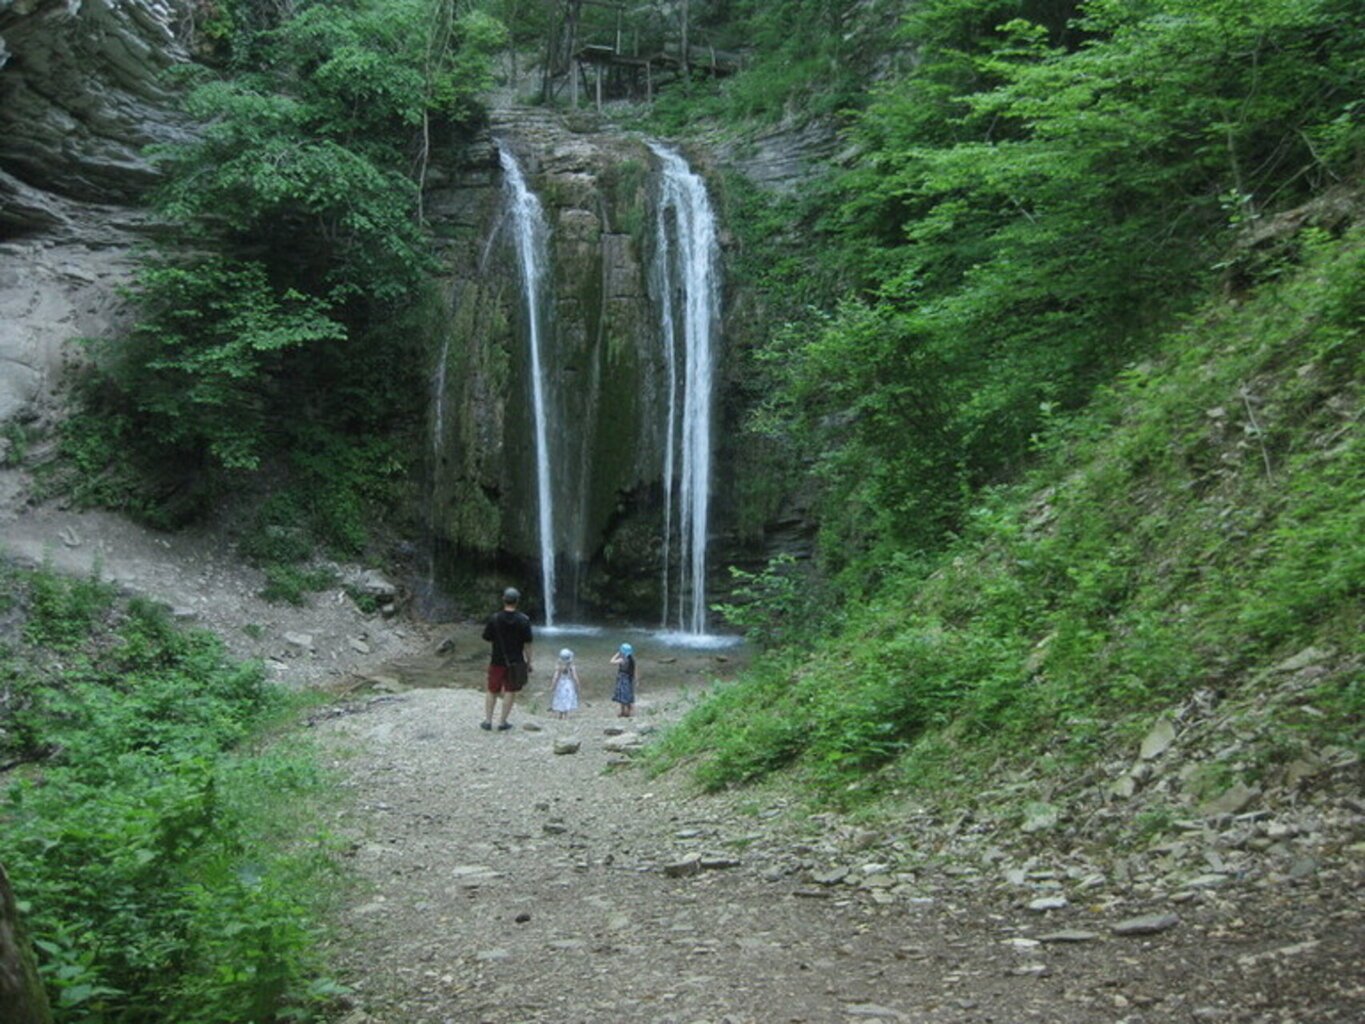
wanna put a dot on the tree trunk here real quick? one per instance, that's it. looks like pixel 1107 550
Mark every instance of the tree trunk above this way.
pixel 22 999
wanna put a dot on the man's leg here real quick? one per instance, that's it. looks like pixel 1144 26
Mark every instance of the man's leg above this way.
pixel 490 700
pixel 509 697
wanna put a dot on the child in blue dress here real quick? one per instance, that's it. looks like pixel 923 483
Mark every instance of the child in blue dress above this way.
pixel 624 694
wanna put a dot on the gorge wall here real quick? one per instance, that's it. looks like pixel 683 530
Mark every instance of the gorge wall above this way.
pixel 81 96
pixel 83 93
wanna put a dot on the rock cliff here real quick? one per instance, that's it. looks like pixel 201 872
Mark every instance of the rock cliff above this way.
pixel 81 96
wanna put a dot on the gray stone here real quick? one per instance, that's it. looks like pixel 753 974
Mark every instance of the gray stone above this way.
pixel 872 1010
pixel 1148 924
pixel 1303 867
pixel 302 641
pixel 357 645
pixel 1123 787
pixel 623 744
pixel 371 583
pixel 1209 881
pixel 1045 903
pixel 833 876
pixel 1307 656
pixel 718 862
pixel 1233 800
pixel 1158 740
pixel 1300 770
pixel 1040 817
pixel 1069 935
pixel 568 745
pixel 689 864
pixel 529 726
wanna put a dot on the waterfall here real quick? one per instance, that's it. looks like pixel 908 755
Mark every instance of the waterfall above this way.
pixel 688 271
pixel 532 233
pixel 438 388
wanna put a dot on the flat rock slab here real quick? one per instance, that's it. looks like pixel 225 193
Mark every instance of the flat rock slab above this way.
pixel 1231 801
pixel 1159 740
pixel 1044 903
pixel 1149 924
pixel 871 1011
pixel 1069 935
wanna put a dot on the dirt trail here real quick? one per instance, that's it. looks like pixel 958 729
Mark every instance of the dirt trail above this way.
pixel 505 883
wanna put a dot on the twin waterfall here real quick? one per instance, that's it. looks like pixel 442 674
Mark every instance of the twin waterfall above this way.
pixel 686 273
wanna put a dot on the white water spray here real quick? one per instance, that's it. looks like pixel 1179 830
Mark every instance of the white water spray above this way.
pixel 531 232
pixel 696 263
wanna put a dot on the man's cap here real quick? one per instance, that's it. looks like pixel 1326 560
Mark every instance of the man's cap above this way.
pixel 511 595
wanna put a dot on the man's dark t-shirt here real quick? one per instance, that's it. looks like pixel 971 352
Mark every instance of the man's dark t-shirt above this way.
pixel 509 633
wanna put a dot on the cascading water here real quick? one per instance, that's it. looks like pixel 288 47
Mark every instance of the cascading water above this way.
pixel 688 275
pixel 531 235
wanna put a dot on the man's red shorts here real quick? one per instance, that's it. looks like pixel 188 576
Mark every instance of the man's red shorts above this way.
pixel 499 679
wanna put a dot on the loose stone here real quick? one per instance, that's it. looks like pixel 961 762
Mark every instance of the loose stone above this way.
pixel 1069 935
pixel 1148 924
pixel 1045 903
pixel 689 864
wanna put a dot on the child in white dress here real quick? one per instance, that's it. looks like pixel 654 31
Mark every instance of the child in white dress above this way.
pixel 564 685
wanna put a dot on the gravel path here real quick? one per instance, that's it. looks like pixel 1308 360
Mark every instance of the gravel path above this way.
pixel 502 882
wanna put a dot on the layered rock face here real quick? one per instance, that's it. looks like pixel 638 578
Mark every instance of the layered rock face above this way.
pixel 603 363
pixel 81 96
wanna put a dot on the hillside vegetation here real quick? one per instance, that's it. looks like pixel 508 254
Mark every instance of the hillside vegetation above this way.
pixel 1075 359
pixel 167 862
pixel 1197 526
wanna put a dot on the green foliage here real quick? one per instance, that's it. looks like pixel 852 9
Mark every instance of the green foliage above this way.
pixel 1190 529
pixel 816 72
pixel 61 612
pixel 292 335
pixel 292 585
pixel 1032 202
pixel 168 874
pixel 207 350
pixel 779 606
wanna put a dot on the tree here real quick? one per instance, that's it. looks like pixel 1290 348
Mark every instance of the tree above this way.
pixel 22 999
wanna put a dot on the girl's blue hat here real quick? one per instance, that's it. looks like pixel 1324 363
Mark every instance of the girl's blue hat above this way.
pixel 566 655
pixel 627 650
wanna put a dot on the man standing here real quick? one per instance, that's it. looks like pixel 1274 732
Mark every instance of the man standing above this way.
pixel 509 631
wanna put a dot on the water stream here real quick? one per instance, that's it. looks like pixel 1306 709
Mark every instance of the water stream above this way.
pixel 531 234
pixel 688 270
